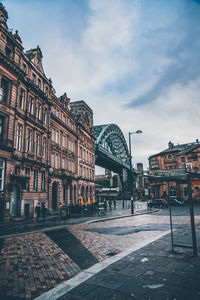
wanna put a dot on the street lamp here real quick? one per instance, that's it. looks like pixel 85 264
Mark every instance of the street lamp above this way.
pixel 131 168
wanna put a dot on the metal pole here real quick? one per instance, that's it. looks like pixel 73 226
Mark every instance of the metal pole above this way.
pixel 194 241
pixel 172 238
pixel 131 178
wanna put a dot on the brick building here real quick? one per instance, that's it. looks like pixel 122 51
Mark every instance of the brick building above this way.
pixel 39 134
pixel 85 148
pixel 174 159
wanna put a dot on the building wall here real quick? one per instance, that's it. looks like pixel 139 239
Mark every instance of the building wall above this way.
pixel 39 135
pixel 172 160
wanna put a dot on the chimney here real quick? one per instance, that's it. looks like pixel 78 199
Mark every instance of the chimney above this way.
pixel 170 145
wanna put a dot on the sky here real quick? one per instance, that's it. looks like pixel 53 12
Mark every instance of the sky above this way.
pixel 136 63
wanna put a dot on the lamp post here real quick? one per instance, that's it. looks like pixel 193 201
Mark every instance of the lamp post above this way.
pixel 131 168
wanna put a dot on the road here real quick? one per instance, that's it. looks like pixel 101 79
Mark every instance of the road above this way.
pixel 33 263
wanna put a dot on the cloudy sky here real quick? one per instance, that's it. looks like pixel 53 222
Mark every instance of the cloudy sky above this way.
pixel 135 62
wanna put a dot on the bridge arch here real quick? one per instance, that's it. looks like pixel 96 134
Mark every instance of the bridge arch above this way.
pixel 111 150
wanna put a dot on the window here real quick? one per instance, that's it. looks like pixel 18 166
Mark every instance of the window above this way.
pixel 57 136
pixel 1 127
pixel 64 140
pixel 19 137
pixel 56 161
pixel 169 157
pixel 84 172
pixel 63 162
pixel 37 144
pixel 39 111
pixel 39 83
pixel 29 140
pixel 185 192
pixel 81 152
pixel 57 113
pixel 81 171
pixel 27 174
pixel 52 160
pixel 17 170
pixel 44 148
pixel 35 180
pixel 172 191
pixel 71 165
pixel 71 145
pixel 45 116
pixel 2 171
pixel 183 159
pixel 43 181
pixel 54 110
pixel 31 105
pixel 64 119
pixel 53 134
pixel 21 98
pixel 34 78
pixel 24 68
pixel 46 91
pixel 4 90
pixel 8 52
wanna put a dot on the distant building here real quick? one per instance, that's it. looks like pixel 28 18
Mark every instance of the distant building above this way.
pixel 176 157
pixel 41 135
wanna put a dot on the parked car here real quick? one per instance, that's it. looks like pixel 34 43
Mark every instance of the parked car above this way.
pixel 158 203
pixel 175 202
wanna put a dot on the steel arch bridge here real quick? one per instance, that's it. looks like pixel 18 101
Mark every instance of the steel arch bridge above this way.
pixel 111 151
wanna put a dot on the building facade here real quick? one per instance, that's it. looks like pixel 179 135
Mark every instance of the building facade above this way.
pixel 85 151
pixel 173 159
pixel 39 134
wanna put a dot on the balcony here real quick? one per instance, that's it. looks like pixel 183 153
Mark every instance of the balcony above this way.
pixel 66 173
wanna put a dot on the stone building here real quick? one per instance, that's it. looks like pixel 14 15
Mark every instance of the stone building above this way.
pixel 39 134
pixel 85 148
pixel 174 159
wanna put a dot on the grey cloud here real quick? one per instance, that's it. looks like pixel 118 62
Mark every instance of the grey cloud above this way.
pixel 185 56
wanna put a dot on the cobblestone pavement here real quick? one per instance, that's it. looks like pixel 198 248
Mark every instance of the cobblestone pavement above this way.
pixel 101 245
pixel 31 264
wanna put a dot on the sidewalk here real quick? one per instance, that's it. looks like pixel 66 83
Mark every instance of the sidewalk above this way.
pixel 30 225
pixel 151 272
